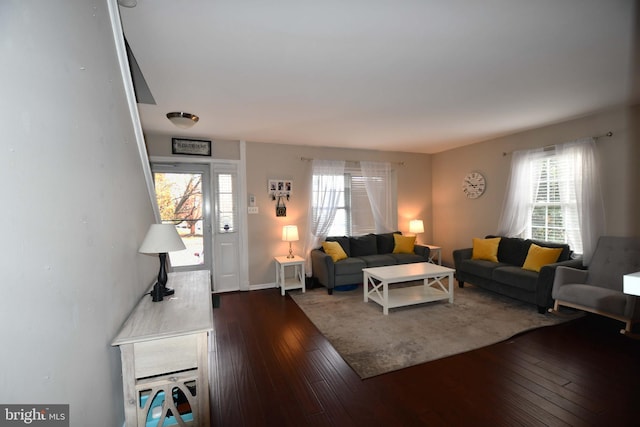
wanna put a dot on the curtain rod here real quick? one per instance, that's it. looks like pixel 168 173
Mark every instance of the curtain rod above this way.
pixel 309 159
pixel 548 147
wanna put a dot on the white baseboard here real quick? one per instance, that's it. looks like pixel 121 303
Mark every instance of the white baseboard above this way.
pixel 263 286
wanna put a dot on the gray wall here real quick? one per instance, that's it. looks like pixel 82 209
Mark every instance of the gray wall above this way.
pixel 456 219
pixel 75 209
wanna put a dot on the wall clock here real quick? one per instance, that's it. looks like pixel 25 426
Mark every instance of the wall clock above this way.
pixel 473 185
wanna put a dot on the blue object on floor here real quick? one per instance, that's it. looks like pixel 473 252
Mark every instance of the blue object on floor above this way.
pixel 345 288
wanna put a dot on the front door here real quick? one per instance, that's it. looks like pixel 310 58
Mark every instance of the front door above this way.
pixel 182 192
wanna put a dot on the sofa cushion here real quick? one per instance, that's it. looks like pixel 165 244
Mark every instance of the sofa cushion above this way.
pixel 480 268
pixel 516 277
pixel 334 250
pixel 344 242
pixel 485 249
pixel 513 250
pixel 565 255
pixel 363 245
pixel 539 256
pixel 403 244
pixel 613 254
pixel 602 299
pixel 378 260
pixel 385 242
pixel 407 258
pixel 349 266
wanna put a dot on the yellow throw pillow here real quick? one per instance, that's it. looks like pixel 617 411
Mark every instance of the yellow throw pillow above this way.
pixel 486 249
pixel 539 256
pixel 334 250
pixel 403 244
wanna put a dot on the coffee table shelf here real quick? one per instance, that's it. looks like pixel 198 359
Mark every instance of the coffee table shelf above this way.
pixel 377 280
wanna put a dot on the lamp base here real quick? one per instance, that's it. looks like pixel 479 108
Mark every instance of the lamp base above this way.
pixel 290 252
pixel 157 293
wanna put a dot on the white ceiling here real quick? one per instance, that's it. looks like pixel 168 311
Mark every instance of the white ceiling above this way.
pixel 397 75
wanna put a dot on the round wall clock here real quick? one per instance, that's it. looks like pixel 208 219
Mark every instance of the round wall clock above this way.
pixel 473 185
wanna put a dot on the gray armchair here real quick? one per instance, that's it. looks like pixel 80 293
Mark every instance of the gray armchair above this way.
pixel 599 288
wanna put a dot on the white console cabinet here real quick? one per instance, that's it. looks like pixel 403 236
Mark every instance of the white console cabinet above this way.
pixel 164 350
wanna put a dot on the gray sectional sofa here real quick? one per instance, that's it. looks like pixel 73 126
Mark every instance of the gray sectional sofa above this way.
pixel 371 250
pixel 507 276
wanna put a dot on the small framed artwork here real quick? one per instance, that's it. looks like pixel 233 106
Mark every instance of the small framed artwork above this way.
pixel 280 188
pixel 191 147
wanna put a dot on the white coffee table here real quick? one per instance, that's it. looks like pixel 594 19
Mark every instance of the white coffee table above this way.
pixel 376 282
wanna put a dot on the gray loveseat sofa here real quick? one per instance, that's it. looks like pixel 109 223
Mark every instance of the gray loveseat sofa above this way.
pixel 371 250
pixel 507 277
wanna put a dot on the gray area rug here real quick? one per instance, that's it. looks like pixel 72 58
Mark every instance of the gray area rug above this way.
pixel 373 344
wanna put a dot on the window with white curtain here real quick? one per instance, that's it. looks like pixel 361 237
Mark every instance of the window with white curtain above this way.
pixel 353 213
pixel 554 194
pixel 553 217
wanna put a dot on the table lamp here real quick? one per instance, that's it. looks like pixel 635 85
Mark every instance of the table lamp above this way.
pixel 160 239
pixel 290 234
pixel 416 226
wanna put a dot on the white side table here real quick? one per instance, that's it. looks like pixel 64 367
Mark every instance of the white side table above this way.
pixel 435 251
pixel 295 282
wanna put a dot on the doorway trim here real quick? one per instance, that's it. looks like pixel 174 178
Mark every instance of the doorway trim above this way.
pixel 243 236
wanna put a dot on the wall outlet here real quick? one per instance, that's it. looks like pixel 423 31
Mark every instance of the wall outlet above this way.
pixel 253 209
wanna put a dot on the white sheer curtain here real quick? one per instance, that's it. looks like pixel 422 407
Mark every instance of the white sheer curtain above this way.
pixel 579 192
pixel 518 201
pixel 579 158
pixel 326 184
pixel 378 182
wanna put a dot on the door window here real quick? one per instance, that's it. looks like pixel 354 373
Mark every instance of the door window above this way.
pixel 182 201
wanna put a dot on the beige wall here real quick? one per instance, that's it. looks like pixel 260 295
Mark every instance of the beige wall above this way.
pixel 430 186
pixel 283 162
pixel 275 161
pixel 160 145
pixel 456 220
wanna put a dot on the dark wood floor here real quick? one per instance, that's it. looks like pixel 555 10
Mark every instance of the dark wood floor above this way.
pixel 271 367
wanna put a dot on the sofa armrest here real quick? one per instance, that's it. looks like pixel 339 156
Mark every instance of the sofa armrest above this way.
pixel 568 275
pixel 460 255
pixel 423 251
pixel 323 268
pixel 546 277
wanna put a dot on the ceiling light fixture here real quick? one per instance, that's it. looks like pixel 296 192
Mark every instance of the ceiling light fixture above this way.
pixel 183 120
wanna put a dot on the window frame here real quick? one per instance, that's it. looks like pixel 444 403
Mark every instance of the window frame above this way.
pixel 547 172
pixel 348 207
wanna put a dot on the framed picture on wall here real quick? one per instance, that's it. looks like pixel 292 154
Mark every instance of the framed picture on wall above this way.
pixel 279 188
pixel 191 147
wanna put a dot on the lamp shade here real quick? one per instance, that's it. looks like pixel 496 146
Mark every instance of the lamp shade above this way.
pixel 290 233
pixel 183 120
pixel 631 284
pixel 161 238
pixel 416 226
